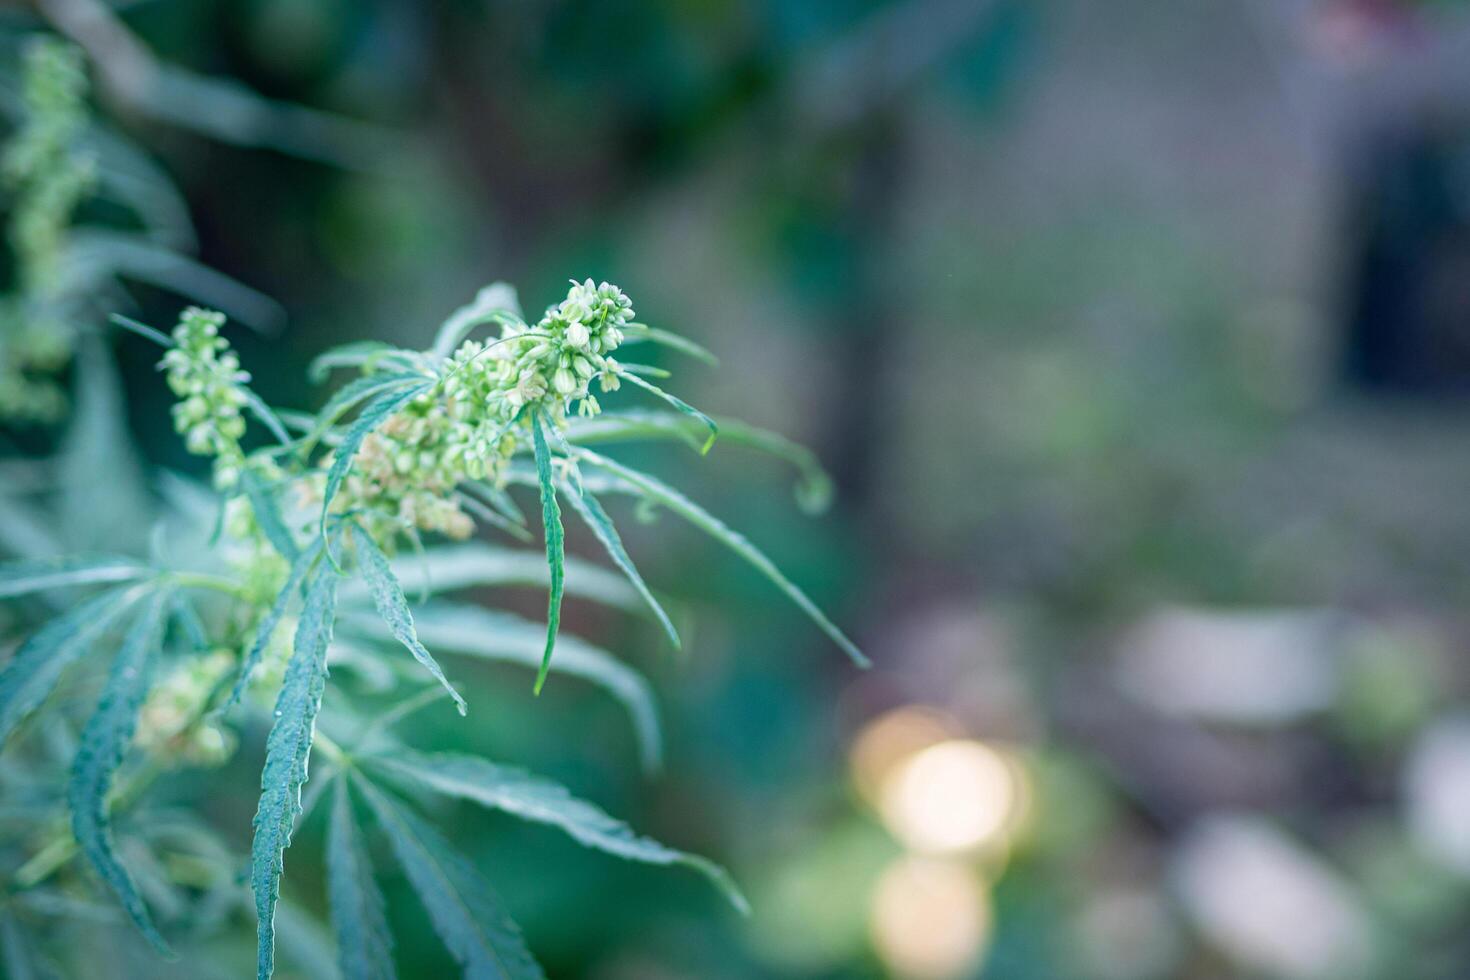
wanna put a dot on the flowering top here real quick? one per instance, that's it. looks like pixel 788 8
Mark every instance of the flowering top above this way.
pixel 548 366
pixel 476 416
pixel 427 425
pixel 405 473
pixel 205 375
pixel 584 330
pixel 47 174
pixel 43 162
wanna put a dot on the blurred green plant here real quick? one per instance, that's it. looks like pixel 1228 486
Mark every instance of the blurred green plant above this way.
pixel 58 159
pixel 48 172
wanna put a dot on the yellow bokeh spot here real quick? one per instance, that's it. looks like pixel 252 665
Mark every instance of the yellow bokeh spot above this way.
pixel 930 920
pixel 893 737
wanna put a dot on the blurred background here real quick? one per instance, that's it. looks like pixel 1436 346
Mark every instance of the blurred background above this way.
pixel 1136 336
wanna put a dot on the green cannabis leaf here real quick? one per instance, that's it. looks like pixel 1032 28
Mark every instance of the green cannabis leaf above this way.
pixel 464 911
pixel 287 751
pixel 363 942
pixel 392 605
pixel 543 801
pixel 36 667
pixel 555 551
pixel 103 742
pixel 651 488
pixel 590 510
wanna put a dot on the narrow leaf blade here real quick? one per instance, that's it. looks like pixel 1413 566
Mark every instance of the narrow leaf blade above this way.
pixel 539 800
pixel 104 740
pixel 364 944
pixel 373 416
pixel 478 632
pixel 680 405
pixel 143 330
pixel 288 748
pixel 464 911
pixel 267 514
pixel 33 575
pixel 492 302
pixel 33 671
pixel 641 331
pixel 392 606
pixel 268 623
pixel 354 393
pixel 555 543
pixel 591 512
pixel 448 568
pixel 499 499
pixel 651 488
pixel 813 486
pixel 354 354
pixel 266 416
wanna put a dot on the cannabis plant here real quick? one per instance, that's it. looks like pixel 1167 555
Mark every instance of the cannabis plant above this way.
pixel 324 524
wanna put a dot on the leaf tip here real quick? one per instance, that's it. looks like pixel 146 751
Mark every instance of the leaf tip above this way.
pixel 722 880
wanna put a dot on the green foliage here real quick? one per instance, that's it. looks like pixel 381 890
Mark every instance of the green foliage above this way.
pixel 392 605
pixel 542 801
pixel 377 412
pixel 655 490
pixel 642 332
pixel 55 161
pixel 266 627
pixel 555 550
pixel 450 567
pixel 478 632
pixel 103 743
pixel 682 406
pixel 465 912
pixel 364 354
pixel 590 510
pixel 813 487
pixel 496 303
pixel 267 514
pixel 287 751
pixel 363 942
pixel 35 668
pixel 48 173
pixel 24 577
pixel 419 443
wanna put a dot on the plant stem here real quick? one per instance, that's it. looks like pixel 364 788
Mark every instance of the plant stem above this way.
pixel 215 583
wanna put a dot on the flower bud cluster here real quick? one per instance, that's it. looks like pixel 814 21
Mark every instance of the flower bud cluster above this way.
pixel 473 420
pixel 406 471
pixel 43 164
pixel 205 375
pixel 26 396
pixel 171 724
pixel 48 174
pixel 571 345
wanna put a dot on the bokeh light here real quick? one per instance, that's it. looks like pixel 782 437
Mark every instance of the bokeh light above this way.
pixel 893 737
pixel 958 795
pixel 931 919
